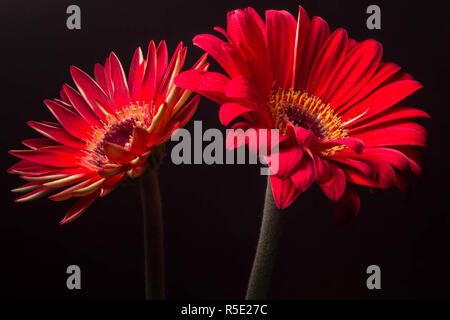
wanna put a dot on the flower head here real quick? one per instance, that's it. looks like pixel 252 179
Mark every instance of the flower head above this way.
pixel 107 129
pixel 336 104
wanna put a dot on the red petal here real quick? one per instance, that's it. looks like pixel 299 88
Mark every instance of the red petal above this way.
pixel 303 24
pixel 137 60
pixel 284 163
pixel 304 137
pixel 236 137
pixel 281 30
pixel 149 81
pixel 389 117
pixel 394 157
pixel 326 62
pixel 242 89
pixel 27 167
pixel 111 184
pixel 58 134
pixel 247 33
pixel 72 122
pixel 209 84
pixel 401 134
pixel 318 33
pixel 79 207
pixel 162 60
pixel 81 106
pixel 116 153
pixel 121 93
pixel 230 111
pixel 381 99
pixel 304 177
pixel 91 92
pixel 100 78
pixel 51 156
pixel 356 145
pixel 284 191
pixel 347 208
pixel 334 187
pixel 39 143
pixel 139 141
pixel 356 69
pixel 180 119
pixel 384 178
pixel 384 72
pixel 215 48
pixel 165 85
pixel 368 169
pixel 34 195
pixel 415 158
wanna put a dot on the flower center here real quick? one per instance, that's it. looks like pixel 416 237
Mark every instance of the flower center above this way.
pixel 308 112
pixel 118 130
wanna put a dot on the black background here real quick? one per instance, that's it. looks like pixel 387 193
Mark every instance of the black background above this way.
pixel 212 213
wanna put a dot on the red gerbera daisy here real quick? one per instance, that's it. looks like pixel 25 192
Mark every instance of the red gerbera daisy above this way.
pixel 107 129
pixel 336 104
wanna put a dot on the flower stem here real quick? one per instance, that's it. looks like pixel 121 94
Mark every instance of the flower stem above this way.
pixel 266 251
pixel 153 236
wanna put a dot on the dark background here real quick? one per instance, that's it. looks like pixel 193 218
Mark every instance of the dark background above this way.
pixel 212 213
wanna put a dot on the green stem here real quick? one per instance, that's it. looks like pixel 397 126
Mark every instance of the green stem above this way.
pixel 266 251
pixel 153 236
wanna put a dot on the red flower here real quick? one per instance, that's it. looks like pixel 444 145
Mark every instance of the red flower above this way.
pixel 336 104
pixel 106 130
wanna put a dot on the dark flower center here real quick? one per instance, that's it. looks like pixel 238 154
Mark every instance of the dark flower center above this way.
pixel 308 112
pixel 118 130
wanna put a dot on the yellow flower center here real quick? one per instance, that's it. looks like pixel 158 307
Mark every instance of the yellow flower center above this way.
pixel 308 112
pixel 118 130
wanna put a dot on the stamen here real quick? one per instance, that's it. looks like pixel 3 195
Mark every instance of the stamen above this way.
pixel 118 130
pixel 308 112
